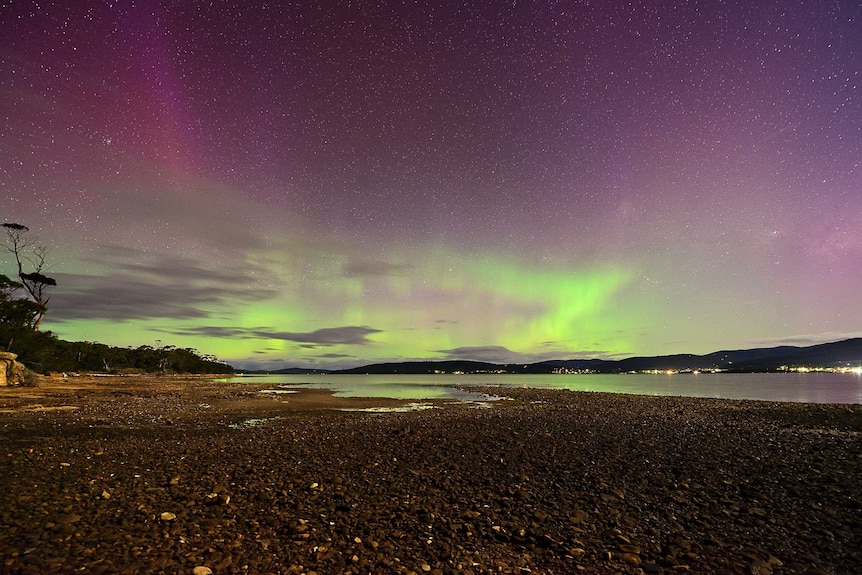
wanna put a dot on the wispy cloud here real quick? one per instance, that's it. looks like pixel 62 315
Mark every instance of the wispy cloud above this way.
pixel 214 332
pixel 369 268
pixel 494 354
pixel 346 335
pixel 804 339
pixel 501 354
pixel 491 353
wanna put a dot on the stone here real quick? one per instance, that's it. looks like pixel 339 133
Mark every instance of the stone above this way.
pixel 631 559
pixel 68 518
pixel 202 570
pixel 13 372
pixel 539 516
pixel 578 517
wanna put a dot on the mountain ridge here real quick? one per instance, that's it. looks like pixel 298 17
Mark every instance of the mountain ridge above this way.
pixel 838 354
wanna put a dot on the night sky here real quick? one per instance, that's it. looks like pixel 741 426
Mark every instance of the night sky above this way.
pixel 329 184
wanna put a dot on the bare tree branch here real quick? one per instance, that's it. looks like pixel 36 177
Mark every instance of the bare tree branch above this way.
pixel 25 249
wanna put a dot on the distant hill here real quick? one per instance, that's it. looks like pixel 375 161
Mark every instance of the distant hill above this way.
pixel 846 353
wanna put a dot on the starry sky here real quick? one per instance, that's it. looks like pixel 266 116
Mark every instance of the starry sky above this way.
pixel 330 184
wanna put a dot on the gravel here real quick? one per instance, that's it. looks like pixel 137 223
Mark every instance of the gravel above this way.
pixel 200 478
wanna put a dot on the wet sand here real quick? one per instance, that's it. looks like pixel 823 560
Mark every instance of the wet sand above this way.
pixel 173 475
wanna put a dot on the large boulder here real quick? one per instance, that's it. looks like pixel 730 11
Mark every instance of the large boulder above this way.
pixel 12 372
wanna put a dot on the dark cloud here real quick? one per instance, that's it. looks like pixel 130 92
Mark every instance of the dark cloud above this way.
pixel 127 298
pixel 490 353
pixel 348 335
pixel 151 287
pixel 168 268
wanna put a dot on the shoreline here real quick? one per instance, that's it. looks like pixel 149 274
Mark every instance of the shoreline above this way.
pixel 163 475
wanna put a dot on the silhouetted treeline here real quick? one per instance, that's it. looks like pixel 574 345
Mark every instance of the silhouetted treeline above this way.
pixel 43 352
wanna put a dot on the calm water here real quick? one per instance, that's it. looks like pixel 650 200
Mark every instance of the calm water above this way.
pixel 797 387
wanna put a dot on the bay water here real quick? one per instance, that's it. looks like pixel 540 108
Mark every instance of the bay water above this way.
pixel 812 387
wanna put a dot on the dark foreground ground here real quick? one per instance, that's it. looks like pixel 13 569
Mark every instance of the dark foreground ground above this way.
pixel 172 477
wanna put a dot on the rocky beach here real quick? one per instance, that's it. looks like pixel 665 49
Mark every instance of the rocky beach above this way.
pixel 167 475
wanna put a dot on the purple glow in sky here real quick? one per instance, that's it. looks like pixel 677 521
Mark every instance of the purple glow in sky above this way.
pixel 331 184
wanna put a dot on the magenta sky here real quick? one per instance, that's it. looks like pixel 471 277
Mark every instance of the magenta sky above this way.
pixel 357 182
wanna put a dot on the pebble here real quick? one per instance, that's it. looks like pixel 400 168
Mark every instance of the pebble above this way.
pixel 578 517
pixel 631 559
